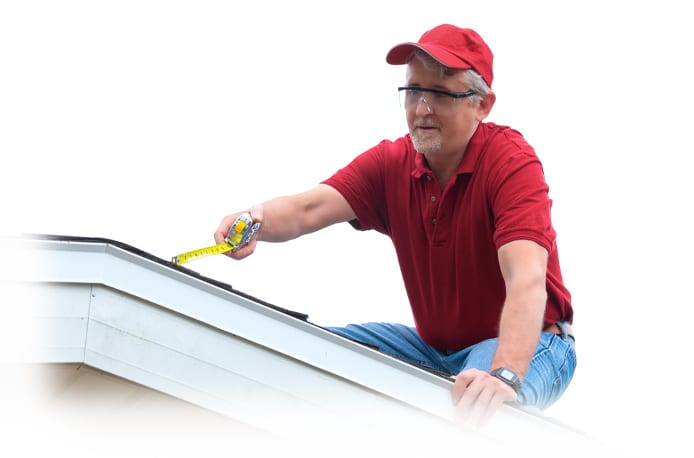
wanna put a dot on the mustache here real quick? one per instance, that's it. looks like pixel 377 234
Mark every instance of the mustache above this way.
pixel 425 123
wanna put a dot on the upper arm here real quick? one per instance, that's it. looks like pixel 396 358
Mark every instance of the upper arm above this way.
pixel 523 263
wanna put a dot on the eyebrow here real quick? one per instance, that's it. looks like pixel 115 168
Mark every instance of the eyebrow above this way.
pixel 440 87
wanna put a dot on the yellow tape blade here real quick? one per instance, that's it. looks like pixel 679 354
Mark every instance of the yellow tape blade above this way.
pixel 202 252
pixel 240 232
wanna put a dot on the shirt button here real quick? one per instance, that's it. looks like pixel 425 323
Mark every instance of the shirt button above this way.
pixel 433 221
pixel 433 198
pixel 428 177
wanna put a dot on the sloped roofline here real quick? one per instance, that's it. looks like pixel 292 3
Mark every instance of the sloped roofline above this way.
pixel 100 297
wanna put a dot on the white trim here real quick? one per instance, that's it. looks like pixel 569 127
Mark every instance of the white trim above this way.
pixel 165 328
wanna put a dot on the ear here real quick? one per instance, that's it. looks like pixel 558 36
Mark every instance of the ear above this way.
pixel 485 106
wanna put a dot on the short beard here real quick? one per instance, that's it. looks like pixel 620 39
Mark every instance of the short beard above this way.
pixel 427 145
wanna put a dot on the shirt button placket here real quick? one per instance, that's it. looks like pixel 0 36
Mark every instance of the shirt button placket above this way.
pixel 433 201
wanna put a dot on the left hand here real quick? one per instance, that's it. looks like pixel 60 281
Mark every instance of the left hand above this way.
pixel 477 395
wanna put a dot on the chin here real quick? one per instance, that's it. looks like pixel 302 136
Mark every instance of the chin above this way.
pixel 427 146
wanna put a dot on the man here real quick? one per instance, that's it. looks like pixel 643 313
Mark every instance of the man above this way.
pixel 466 205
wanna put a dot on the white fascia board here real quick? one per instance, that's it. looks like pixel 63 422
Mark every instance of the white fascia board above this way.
pixel 164 327
pixel 71 262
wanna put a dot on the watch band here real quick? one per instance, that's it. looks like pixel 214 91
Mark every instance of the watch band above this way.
pixel 508 377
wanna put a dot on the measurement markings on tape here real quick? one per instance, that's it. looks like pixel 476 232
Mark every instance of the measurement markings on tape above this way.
pixel 241 232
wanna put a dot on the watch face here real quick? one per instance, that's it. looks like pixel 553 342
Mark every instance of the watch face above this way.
pixel 507 374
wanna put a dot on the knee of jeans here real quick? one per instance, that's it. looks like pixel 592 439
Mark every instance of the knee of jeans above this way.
pixel 549 375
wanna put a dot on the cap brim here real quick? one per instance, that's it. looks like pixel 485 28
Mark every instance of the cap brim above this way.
pixel 399 54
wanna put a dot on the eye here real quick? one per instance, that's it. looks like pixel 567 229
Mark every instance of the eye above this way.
pixel 413 94
pixel 438 96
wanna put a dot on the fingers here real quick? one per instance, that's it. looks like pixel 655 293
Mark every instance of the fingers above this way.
pixel 477 396
pixel 483 408
pixel 242 251
pixel 461 393
pixel 223 229
pixel 469 398
pixel 222 232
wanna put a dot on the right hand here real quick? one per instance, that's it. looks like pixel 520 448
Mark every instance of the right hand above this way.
pixel 223 229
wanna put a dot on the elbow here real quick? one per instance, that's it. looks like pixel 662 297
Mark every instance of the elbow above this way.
pixel 529 289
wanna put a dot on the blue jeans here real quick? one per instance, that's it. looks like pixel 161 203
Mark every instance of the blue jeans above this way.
pixel 549 374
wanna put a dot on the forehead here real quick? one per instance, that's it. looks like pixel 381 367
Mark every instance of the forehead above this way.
pixel 418 73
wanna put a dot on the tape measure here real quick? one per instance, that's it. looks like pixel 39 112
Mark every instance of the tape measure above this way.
pixel 241 232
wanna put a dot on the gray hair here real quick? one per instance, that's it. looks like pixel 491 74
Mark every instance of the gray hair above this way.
pixel 468 77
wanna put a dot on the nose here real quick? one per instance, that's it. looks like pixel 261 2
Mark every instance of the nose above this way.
pixel 426 104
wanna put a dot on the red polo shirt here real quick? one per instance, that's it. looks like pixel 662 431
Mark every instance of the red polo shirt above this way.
pixel 447 241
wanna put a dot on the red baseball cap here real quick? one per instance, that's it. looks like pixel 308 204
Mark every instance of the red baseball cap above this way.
pixel 453 47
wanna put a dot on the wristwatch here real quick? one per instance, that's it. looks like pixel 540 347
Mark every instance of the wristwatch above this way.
pixel 508 377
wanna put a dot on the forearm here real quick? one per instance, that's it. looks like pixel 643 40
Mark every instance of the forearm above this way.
pixel 524 267
pixel 288 217
pixel 520 327
pixel 281 220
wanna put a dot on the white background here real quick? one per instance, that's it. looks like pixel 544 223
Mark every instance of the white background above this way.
pixel 147 121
